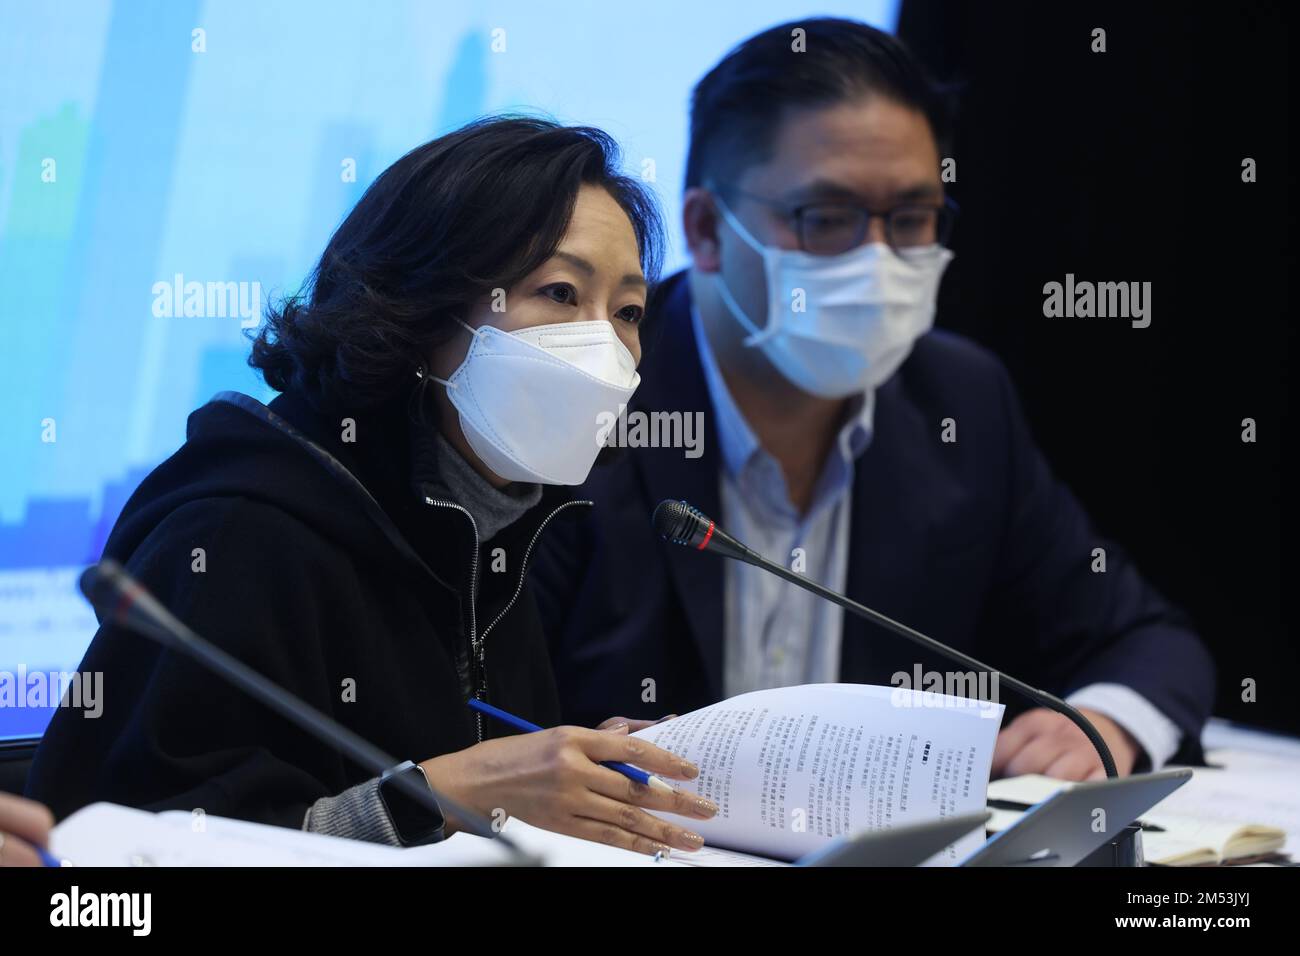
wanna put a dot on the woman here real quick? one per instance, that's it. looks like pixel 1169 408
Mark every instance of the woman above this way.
pixel 364 540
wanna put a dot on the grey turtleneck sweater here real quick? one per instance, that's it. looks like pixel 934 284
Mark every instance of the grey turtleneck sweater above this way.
pixel 437 469
pixel 451 475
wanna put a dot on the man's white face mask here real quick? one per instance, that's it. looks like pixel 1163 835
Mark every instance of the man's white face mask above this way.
pixel 863 310
pixel 531 402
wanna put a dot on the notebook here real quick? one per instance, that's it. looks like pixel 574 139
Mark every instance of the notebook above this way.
pixel 1172 838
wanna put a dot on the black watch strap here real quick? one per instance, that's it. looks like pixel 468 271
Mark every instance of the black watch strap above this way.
pixel 416 823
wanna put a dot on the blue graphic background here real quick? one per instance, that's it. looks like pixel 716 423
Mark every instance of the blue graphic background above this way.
pixel 225 166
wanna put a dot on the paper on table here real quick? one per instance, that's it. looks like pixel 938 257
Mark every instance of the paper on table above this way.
pixel 1028 788
pixel 557 849
pixel 1226 736
pixel 713 856
pixel 104 834
pixel 791 768
pixel 1248 788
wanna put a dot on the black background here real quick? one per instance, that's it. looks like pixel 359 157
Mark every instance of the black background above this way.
pixel 1126 166
pixel 393 909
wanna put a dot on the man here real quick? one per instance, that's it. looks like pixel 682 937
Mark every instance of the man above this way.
pixel 844 438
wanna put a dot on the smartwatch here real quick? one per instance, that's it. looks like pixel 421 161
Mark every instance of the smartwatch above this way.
pixel 416 823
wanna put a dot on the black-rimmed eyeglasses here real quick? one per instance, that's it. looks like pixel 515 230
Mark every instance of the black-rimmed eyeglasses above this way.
pixel 830 227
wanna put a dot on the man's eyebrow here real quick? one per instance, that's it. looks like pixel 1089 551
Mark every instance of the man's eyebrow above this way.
pixel 925 191
pixel 820 189
pixel 630 278
pixel 825 190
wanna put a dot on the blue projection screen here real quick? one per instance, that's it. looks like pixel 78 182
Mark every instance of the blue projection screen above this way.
pixel 155 151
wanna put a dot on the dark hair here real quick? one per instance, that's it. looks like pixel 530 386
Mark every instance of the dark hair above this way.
pixel 469 212
pixel 737 107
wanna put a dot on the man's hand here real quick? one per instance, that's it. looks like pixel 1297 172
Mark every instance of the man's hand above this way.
pixel 1043 741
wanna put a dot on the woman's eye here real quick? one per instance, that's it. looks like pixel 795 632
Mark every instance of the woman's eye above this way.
pixel 631 313
pixel 561 292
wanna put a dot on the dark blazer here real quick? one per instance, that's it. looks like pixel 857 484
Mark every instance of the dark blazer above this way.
pixel 973 542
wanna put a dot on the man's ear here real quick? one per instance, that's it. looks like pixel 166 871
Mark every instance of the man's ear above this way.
pixel 700 224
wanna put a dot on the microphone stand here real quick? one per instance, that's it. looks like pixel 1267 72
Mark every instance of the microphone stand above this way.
pixel 681 523
pixel 122 599
pixel 1040 697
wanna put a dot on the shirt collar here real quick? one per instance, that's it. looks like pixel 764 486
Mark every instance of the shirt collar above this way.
pixel 736 440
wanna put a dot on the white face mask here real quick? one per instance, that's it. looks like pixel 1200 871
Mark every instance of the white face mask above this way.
pixel 531 402
pixel 863 311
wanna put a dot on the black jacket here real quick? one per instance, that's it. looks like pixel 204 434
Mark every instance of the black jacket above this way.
pixel 325 569
pixel 973 542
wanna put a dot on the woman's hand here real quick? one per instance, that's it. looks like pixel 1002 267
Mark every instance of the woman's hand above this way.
pixel 553 779
pixel 24 824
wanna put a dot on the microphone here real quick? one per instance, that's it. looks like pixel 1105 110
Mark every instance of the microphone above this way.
pixel 681 523
pixel 118 597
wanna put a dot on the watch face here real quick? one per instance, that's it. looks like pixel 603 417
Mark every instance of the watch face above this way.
pixel 416 823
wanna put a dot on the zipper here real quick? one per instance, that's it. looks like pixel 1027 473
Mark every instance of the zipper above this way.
pixel 477 645
pixel 528 552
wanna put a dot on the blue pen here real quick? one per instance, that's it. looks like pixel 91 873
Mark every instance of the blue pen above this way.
pixel 626 769
pixel 47 858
